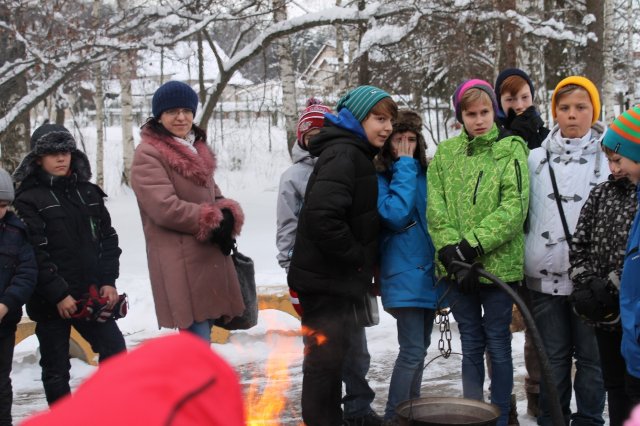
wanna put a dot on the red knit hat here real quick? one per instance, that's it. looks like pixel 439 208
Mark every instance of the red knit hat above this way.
pixel 311 118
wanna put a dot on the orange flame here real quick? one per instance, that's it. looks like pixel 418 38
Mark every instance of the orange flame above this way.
pixel 266 405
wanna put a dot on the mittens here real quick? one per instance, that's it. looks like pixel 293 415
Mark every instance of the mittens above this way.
pixel 595 299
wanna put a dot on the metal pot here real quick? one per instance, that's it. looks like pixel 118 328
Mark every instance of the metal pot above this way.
pixel 446 411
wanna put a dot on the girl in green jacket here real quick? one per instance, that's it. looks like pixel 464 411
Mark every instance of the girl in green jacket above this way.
pixel 477 203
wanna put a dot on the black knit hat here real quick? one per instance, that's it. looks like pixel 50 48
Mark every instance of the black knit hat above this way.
pixel 508 73
pixel 173 94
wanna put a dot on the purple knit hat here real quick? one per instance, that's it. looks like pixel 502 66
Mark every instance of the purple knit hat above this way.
pixel 474 83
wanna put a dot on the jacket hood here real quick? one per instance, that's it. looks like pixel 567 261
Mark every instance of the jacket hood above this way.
pixel 173 380
pixel 298 154
pixel 330 135
pixel 29 167
pixel 346 120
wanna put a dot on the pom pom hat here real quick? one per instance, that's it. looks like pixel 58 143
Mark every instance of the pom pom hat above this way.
pixel 587 85
pixel 311 118
pixel 473 84
pixel 623 136
pixel 361 100
pixel 173 94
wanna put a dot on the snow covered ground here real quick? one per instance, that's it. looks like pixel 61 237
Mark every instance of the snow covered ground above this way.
pixel 254 185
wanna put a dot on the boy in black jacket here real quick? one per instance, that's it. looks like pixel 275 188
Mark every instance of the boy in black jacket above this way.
pixel 336 244
pixel 76 247
pixel 18 274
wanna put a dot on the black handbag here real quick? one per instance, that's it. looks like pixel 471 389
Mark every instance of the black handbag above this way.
pixel 247 278
pixel 366 311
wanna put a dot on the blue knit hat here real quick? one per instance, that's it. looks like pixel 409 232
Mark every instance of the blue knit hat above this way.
pixel 360 100
pixel 174 94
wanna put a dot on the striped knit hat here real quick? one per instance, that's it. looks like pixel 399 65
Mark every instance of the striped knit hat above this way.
pixel 360 100
pixel 587 85
pixel 474 83
pixel 623 136
pixel 311 118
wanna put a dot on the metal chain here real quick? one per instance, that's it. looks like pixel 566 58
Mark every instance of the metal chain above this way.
pixel 442 319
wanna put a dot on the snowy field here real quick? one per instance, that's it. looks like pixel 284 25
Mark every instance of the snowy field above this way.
pixel 253 182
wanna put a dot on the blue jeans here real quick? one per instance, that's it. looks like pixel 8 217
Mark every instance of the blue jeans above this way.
pixel 483 319
pixel 201 329
pixel 53 335
pixel 566 337
pixel 358 394
pixel 414 336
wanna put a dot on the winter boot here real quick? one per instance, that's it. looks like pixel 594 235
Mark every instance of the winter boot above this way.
pixel 532 404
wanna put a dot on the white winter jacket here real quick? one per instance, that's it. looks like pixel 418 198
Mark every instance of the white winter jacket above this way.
pixel 579 164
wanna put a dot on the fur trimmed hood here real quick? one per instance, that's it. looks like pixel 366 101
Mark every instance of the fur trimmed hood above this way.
pixel 198 168
pixel 50 143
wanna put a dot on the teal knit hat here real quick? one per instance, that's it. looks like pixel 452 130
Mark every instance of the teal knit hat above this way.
pixel 623 136
pixel 360 100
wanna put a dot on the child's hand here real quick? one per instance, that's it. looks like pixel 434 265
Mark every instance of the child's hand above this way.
pixel 67 307
pixel 406 149
pixel 3 311
pixel 110 293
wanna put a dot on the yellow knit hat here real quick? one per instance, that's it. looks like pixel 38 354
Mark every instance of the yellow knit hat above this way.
pixel 587 85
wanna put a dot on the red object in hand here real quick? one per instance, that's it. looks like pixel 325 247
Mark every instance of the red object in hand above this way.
pixel 295 301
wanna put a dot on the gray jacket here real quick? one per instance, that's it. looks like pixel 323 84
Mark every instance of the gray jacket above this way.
pixel 293 184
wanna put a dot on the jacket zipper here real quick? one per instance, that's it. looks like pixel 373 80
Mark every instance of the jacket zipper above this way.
pixel 475 191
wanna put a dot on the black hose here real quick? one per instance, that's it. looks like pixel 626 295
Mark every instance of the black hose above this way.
pixel 557 418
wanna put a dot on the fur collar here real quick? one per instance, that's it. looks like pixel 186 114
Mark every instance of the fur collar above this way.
pixel 197 168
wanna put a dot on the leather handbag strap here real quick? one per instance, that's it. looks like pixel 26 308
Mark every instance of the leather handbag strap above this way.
pixel 556 194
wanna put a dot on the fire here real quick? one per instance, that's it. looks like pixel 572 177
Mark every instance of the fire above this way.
pixel 265 405
pixel 266 401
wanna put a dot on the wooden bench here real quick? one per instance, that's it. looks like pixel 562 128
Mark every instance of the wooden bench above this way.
pixel 81 349
pixel 78 347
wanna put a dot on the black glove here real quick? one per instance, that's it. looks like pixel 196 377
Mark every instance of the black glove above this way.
pixel 462 252
pixel 595 299
pixel 222 234
pixel 468 279
pixel 526 125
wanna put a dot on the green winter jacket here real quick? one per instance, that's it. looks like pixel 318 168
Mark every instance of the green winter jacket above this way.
pixel 479 191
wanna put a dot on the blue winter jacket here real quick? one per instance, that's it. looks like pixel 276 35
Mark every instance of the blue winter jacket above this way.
pixel 18 270
pixel 406 251
pixel 630 300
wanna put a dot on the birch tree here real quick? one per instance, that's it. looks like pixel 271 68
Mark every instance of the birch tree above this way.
pixel 287 76
pixel 127 61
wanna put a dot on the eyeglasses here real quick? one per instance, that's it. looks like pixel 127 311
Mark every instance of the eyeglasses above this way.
pixel 174 112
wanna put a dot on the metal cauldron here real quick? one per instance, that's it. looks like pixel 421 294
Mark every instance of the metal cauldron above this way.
pixel 446 411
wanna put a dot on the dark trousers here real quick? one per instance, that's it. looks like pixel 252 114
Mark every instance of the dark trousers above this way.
pixel 613 373
pixel 7 341
pixel 328 322
pixel 53 335
pixel 632 384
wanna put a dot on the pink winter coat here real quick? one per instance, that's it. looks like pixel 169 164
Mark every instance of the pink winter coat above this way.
pixel 180 204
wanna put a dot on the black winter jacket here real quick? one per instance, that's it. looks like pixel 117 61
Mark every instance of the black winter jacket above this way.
pixel 336 239
pixel 18 270
pixel 70 229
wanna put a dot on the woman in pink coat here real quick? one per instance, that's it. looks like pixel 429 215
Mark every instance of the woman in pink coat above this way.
pixel 189 227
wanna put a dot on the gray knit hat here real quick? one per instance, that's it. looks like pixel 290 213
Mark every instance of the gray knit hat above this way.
pixel 360 100
pixel 6 186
